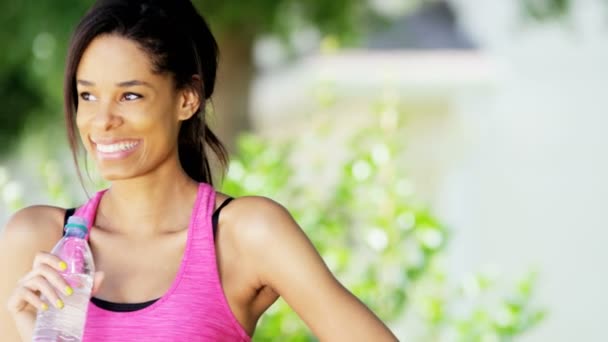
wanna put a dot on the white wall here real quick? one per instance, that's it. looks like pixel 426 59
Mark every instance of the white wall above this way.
pixel 531 188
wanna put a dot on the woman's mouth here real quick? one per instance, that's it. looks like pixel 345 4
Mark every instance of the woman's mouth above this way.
pixel 115 150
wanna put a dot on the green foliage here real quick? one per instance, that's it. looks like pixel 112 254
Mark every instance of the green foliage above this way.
pixel 539 10
pixel 34 36
pixel 344 18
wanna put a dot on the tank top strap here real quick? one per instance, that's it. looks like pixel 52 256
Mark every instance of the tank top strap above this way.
pixel 201 219
pixel 89 210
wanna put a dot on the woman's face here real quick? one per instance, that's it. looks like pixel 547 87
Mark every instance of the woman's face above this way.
pixel 128 116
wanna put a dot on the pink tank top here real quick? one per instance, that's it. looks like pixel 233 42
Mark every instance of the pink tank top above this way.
pixel 195 307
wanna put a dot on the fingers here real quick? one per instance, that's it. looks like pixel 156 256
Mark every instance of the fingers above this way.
pixel 55 279
pixel 41 285
pixel 49 259
pixel 28 293
pixel 47 265
pixel 44 279
pixel 22 297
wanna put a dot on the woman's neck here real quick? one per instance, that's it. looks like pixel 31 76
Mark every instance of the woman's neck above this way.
pixel 157 203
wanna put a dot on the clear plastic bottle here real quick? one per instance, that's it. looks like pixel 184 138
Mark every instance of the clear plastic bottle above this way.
pixel 67 324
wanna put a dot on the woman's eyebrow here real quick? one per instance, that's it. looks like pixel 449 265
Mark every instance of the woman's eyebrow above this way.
pixel 124 84
pixel 134 83
pixel 85 83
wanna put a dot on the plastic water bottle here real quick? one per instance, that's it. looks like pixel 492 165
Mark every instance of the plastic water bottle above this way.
pixel 67 324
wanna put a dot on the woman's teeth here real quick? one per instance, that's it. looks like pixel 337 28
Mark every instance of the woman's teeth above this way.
pixel 119 147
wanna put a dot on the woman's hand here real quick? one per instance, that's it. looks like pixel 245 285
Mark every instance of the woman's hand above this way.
pixel 44 279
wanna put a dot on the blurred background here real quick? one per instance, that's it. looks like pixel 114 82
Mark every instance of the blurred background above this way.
pixel 445 157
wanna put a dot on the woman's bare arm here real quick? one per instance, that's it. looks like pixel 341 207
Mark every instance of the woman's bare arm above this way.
pixel 287 261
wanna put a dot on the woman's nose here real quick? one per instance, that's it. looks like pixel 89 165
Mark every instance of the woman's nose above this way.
pixel 107 116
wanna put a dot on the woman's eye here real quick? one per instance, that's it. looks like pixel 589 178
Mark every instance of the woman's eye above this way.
pixel 87 96
pixel 131 96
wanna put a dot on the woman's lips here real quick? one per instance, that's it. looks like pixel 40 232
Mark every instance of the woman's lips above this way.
pixel 115 149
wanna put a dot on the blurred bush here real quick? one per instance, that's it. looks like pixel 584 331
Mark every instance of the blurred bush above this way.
pixel 34 36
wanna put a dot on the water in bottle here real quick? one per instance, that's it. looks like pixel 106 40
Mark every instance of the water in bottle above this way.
pixel 67 324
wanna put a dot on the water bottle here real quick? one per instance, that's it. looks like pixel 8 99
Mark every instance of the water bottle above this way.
pixel 67 324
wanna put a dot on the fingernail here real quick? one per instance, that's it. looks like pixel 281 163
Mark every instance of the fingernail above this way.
pixel 44 307
pixel 59 304
pixel 63 266
pixel 68 291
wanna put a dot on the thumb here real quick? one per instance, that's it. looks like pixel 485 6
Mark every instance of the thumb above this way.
pixel 97 280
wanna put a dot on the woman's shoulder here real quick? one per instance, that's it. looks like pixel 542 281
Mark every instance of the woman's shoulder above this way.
pixel 255 221
pixel 38 226
pixel 258 210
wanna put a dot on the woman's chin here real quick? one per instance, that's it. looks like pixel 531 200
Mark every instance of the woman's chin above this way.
pixel 117 174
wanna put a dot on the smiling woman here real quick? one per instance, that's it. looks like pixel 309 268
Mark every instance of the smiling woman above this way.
pixel 172 269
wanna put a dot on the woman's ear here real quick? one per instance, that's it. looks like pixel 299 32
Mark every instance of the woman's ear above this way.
pixel 190 100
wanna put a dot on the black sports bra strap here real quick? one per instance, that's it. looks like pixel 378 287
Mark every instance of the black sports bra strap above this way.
pixel 68 213
pixel 216 215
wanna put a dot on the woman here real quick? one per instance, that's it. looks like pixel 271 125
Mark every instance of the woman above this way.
pixel 138 76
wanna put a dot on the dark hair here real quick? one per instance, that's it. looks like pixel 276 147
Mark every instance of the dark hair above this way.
pixel 178 41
